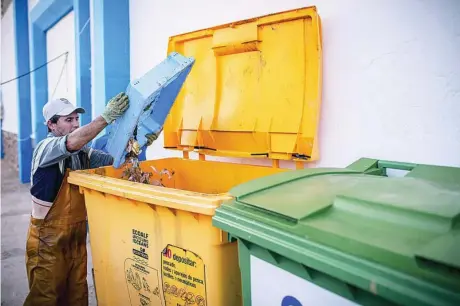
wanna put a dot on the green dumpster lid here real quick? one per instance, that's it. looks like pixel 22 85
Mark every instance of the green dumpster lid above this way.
pixel 408 224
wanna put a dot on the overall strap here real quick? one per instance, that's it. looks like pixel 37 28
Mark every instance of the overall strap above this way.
pixel 67 204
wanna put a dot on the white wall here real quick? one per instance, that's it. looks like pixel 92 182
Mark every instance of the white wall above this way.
pixel 59 39
pixel 8 71
pixel 391 77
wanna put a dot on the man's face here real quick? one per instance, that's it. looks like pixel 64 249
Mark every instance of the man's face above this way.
pixel 65 124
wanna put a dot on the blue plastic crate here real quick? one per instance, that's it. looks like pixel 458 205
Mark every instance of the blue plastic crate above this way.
pixel 150 100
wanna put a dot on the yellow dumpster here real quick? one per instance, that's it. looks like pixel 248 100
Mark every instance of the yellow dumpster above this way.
pixel 254 92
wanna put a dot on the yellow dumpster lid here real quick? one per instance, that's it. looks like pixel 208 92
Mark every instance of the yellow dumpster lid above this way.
pixel 254 91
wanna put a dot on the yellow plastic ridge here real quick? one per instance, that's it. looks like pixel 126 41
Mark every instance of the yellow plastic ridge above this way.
pixel 166 197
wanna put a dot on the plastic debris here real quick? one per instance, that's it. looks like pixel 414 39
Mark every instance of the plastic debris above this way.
pixel 132 172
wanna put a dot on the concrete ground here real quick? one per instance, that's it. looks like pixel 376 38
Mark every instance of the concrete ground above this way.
pixel 15 215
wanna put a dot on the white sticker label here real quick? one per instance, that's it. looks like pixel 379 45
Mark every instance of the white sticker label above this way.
pixel 271 285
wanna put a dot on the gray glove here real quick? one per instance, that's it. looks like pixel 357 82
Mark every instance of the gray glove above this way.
pixel 116 107
pixel 152 137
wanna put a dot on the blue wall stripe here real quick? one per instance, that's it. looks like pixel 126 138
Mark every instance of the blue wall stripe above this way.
pixel 83 58
pixel 21 43
pixel 111 48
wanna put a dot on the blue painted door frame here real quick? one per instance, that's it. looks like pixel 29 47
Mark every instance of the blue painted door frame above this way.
pixel 21 44
pixel 111 51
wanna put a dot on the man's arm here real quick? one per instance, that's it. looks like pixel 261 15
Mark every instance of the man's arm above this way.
pixel 50 151
pixel 98 158
pixel 81 136
pixel 54 149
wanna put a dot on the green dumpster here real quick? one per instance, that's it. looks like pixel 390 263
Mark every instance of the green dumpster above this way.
pixel 352 236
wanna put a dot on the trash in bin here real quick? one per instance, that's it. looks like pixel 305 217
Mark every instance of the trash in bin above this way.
pixel 245 97
pixel 133 172
pixel 343 237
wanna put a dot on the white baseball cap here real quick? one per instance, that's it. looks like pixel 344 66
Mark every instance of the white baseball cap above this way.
pixel 60 107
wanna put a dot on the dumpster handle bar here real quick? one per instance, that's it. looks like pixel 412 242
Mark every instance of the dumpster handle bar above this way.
pixel 396 165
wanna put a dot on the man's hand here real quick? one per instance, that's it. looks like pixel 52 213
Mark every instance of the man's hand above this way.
pixel 152 137
pixel 116 107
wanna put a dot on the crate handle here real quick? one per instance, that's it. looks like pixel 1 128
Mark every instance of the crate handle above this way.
pixel 385 164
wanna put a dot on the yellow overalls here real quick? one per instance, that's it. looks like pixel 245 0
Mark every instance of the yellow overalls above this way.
pixel 56 255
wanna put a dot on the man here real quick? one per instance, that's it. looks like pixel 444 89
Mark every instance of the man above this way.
pixel 56 258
